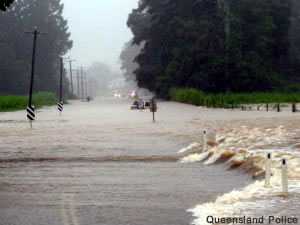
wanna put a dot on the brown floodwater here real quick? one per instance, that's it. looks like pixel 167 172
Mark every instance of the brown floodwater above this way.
pixel 102 163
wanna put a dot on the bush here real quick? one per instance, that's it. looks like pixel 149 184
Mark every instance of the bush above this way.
pixel 10 103
pixel 197 97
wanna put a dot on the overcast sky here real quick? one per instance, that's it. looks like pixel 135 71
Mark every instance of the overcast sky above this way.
pixel 98 29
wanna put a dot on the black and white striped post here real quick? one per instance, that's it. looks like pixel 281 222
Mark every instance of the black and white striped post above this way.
pixel 60 106
pixel 30 107
pixel 31 114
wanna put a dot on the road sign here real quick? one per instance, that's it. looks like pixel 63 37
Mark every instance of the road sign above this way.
pixel 153 107
pixel 30 113
pixel 60 106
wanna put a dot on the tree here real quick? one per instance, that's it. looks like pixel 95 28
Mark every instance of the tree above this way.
pixel 24 15
pixel 215 45
pixel 4 4
pixel 127 57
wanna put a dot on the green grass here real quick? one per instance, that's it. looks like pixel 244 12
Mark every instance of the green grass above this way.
pixel 197 97
pixel 13 103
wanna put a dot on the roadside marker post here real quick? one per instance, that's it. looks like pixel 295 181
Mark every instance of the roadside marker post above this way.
pixel 284 175
pixel 60 106
pixel 268 169
pixel 204 140
pixel 30 114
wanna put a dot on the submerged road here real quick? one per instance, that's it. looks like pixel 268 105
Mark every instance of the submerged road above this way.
pixel 102 163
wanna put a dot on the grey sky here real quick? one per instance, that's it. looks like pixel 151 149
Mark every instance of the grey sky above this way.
pixel 98 29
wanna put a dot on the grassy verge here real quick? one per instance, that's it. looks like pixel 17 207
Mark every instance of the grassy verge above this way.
pixel 197 97
pixel 12 103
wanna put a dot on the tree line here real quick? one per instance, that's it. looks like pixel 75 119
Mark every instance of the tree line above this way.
pixel 217 46
pixel 4 4
pixel 16 45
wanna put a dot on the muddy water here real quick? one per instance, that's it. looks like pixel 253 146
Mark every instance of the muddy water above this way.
pixel 101 163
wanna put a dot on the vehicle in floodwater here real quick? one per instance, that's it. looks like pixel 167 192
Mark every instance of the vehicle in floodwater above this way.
pixel 138 104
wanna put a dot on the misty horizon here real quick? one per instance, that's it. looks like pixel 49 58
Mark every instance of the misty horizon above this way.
pixel 98 30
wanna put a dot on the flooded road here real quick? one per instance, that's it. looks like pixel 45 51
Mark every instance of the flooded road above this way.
pixel 102 163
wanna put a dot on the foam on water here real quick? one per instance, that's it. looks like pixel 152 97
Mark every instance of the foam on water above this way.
pixel 191 146
pixel 252 196
pixel 246 149
pixel 195 157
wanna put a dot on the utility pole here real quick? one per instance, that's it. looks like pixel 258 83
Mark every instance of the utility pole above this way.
pixel 30 108
pixel 82 82
pixel 78 86
pixel 60 103
pixel 61 78
pixel 71 75
pixel 86 88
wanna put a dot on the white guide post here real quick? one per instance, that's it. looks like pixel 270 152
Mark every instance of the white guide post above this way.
pixel 204 140
pixel 268 169
pixel 285 184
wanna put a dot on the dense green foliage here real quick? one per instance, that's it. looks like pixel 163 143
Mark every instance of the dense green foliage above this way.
pixel 197 97
pixel 16 46
pixel 9 103
pixel 216 46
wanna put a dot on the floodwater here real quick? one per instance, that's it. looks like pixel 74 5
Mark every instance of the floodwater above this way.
pixel 102 163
